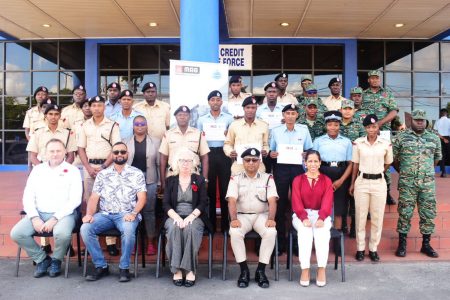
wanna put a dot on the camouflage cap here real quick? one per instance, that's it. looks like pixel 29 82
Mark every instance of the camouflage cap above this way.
pixel 356 90
pixel 347 103
pixel 310 88
pixel 419 114
pixel 374 73
pixel 306 77
pixel 311 101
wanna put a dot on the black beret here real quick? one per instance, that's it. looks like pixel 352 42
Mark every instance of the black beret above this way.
pixel 113 85
pixel 235 79
pixel 182 108
pixel 333 80
pixel 148 85
pixel 290 107
pixel 250 152
pixel 40 89
pixel 332 115
pixel 51 107
pixel 270 84
pixel 248 100
pixel 214 93
pixel 370 119
pixel 284 75
pixel 78 87
pixel 128 93
pixel 96 99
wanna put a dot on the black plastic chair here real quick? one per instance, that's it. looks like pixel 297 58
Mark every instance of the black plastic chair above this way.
pixel 253 235
pixel 115 232
pixel 336 236
pixel 76 231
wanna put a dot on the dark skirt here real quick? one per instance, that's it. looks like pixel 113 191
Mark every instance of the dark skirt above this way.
pixel 341 195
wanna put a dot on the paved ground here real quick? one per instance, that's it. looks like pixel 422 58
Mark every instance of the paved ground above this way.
pixel 364 281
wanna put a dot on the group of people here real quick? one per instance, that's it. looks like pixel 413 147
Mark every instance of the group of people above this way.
pixel 316 161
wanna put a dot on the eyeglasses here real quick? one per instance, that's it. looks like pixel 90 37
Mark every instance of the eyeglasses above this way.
pixel 185 161
pixel 247 160
pixel 116 152
pixel 140 124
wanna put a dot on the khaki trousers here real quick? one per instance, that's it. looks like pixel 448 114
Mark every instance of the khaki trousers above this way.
pixel 370 196
pixel 255 222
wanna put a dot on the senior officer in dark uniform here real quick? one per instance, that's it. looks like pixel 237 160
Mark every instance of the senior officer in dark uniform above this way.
pixel 416 152
pixel 336 153
pixel 371 156
pixel 287 144
pixel 252 202
pixel 215 126
pixel 381 102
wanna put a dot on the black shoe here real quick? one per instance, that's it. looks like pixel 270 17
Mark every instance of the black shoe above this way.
pixel 244 279
pixel 374 256
pixel 112 250
pixel 401 249
pixel 42 267
pixel 426 247
pixel 55 268
pixel 261 279
pixel 124 275
pixel 178 282
pixel 359 255
pixel 98 274
pixel 47 248
pixel 189 283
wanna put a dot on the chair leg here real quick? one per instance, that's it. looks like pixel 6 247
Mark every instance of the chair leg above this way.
pixel 289 263
pixel 66 270
pixel 18 261
pixel 277 266
pixel 136 255
pixel 336 255
pixel 225 256
pixel 143 247
pixel 342 258
pixel 158 256
pixel 163 251
pixel 210 255
pixel 79 249
pixel 85 262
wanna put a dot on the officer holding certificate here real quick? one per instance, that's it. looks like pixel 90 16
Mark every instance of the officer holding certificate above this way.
pixel 215 126
pixel 287 144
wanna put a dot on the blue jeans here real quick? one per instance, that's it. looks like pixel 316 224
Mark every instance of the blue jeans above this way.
pixel 103 222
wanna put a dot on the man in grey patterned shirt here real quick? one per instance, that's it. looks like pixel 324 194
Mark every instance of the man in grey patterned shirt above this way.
pixel 122 193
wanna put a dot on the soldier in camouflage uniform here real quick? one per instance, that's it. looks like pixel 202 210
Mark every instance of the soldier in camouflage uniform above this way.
pixel 356 97
pixel 310 118
pixel 350 128
pixel 416 152
pixel 305 81
pixel 311 91
pixel 381 102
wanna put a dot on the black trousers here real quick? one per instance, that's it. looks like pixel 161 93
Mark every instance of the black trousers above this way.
pixel 219 172
pixel 445 148
pixel 269 164
pixel 341 195
pixel 284 174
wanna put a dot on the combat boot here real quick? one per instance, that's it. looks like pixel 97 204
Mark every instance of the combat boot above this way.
pixel 426 247
pixel 401 250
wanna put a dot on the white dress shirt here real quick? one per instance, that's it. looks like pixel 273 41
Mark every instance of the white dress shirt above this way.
pixel 443 126
pixel 56 190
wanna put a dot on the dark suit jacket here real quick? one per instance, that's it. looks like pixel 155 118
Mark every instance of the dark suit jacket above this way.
pixel 199 197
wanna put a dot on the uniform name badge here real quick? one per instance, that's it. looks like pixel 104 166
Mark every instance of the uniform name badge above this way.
pixel 235 109
pixel 241 148
pixel 214 131
pixel 290 154
pixel 272 117
pixel 385 134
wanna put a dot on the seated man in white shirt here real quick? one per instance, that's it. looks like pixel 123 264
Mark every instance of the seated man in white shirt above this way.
pixel 52 193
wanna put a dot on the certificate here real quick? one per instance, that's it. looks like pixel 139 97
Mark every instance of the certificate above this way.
pixel 214 131
pixel 241 148
pixel 235 109
pixel 290 154
pixel 385 134
pixel 272 117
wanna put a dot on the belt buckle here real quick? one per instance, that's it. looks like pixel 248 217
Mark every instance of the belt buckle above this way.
pixel 333 164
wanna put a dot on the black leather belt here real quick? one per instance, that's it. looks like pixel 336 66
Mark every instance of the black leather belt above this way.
pixel 334 164
pixel 243 213
pixel 97 161
pixel 371 176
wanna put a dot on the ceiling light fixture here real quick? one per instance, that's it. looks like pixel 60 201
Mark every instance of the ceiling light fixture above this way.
pixel 284 24
pixel 152 24
pixel 398 25
pixel 46 25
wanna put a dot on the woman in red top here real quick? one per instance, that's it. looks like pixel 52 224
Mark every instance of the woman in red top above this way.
pixel 312 202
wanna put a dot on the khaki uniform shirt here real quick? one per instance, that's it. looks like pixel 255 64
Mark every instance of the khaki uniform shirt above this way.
pixel 174 139
pixel 71 114
pixel 158 117
pixel 252 193
pixel 41 136
pixel 34 119
pixel 239 98
pixel 241 133
pixel 285 99
pixel 98 139
pixel 333 103
pixel 372 158
pixel 77 125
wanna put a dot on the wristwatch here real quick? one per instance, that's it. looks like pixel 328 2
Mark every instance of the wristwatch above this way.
pixel 103 166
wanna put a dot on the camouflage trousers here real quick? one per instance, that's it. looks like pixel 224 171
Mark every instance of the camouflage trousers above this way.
pixel 421 192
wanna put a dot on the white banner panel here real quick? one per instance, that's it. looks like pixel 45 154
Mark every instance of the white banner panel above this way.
pixel 237 57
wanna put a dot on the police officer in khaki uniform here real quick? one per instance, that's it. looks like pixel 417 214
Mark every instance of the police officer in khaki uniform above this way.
pixel 334 101
pixel 95 140
pixel 155 111
pixel 284 98
pixel 247 132
pixel 35 114
pixel 371 156
pixel 236 96
pixel 182 136
pixel 252 203
pixel 73 113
